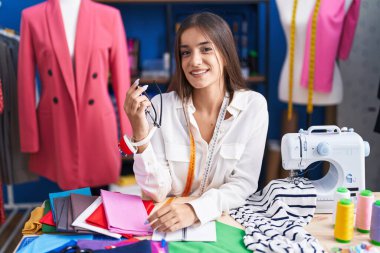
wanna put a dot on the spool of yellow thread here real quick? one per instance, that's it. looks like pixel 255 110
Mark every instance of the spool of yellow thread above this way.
pixel 344 225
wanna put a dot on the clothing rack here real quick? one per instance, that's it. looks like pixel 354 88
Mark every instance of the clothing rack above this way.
pixel 14 208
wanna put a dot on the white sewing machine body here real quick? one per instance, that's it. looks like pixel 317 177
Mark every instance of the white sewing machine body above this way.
pixel 344 149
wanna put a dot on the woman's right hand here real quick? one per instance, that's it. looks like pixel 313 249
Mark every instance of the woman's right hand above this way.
pixel 135 105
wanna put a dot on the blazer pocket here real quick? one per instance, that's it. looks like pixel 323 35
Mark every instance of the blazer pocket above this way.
pixel 177 152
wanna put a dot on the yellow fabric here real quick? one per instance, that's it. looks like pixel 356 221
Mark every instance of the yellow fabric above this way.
pixel 126 180
pixel 33 226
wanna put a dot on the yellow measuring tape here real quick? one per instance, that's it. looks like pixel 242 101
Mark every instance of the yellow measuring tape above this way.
pixel 291 55
pixel 311 60
pixel 310 82
pixel 190 172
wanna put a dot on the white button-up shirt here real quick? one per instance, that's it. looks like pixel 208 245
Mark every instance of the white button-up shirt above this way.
pixel 161 170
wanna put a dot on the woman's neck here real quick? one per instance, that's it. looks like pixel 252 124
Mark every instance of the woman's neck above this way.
pixel 208 100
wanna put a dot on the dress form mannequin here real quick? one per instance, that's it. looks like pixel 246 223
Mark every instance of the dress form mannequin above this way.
pixel 300 94
pixel 70 10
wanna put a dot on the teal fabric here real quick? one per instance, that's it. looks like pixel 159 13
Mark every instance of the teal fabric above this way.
pixel 229 239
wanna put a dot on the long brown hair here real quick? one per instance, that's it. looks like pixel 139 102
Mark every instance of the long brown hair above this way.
pixel 218 31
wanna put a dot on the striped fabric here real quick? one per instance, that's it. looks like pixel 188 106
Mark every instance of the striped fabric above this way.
pixel 275 216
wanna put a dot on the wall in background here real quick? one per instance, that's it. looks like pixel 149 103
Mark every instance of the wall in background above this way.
pixel 147 22
pixel 361 76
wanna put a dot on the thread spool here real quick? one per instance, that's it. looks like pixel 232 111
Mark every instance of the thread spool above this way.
pixel 340 193
pixel 375 224
pixel 364 211
pixel 344 225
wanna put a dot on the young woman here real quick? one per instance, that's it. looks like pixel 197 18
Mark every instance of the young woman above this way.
pixel 211 141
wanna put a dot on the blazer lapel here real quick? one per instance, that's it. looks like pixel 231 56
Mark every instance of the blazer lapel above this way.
pixel 59 42
pixel 83 45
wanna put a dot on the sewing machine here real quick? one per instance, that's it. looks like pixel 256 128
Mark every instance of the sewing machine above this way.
pixel 342 148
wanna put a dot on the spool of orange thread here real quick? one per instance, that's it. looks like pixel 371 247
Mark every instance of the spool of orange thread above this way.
pixel 344 224
pixel 364 211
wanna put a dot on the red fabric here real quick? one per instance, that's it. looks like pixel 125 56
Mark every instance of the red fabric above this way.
pixel 48 219
pixel 98 217
pixel 2 213
pixel 149 205
pixel 75 121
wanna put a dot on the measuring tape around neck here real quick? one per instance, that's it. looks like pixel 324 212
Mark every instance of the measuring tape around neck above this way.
pixel 191 168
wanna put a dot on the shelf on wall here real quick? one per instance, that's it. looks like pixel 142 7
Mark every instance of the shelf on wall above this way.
pixel 161 80
pixel 185 2
pixel 255 79
pixel 151 80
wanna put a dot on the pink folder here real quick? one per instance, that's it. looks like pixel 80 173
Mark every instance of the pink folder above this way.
pixel 125 213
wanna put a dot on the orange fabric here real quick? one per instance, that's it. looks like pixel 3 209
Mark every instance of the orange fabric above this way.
pixel 33 226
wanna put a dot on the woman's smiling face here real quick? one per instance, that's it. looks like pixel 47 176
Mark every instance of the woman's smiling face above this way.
pixel 201 61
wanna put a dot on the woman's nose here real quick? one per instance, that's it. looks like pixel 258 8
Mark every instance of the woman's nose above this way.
pixel 196 59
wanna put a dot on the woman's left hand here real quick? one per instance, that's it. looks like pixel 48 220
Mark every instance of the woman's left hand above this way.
pixel 172 217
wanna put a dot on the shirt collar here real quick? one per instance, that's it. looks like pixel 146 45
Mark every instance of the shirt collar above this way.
pixel 238 103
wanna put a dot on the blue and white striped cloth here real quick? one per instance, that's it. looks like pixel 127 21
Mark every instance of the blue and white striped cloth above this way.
pixel 275 216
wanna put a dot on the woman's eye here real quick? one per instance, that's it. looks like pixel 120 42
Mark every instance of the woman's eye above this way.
pixel 185 53
pixel 206 49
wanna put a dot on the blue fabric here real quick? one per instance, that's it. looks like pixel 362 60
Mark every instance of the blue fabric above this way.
pixel 46 243
pixel 138 247
pixel 63 246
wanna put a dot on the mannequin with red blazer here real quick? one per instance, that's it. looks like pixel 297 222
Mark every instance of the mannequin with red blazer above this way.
pixel 71 133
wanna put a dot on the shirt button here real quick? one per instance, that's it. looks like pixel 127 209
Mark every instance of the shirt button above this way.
pixel 55 100
pixel 91 102
pixel 50 72
pixel 95 75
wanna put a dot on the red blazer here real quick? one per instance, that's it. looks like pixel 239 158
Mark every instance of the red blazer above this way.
pixel 72 132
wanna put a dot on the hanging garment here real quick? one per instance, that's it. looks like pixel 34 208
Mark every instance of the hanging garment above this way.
pixel 1 98
pixel 72 135
pixel 13 163
pixel 335 30
pixel 2 212
pixel 377 126
pixel 275 216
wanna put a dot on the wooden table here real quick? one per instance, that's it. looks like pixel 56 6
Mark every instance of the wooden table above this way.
pixel 320 227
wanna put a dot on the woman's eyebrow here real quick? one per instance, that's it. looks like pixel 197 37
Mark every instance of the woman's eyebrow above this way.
pixel 199 44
